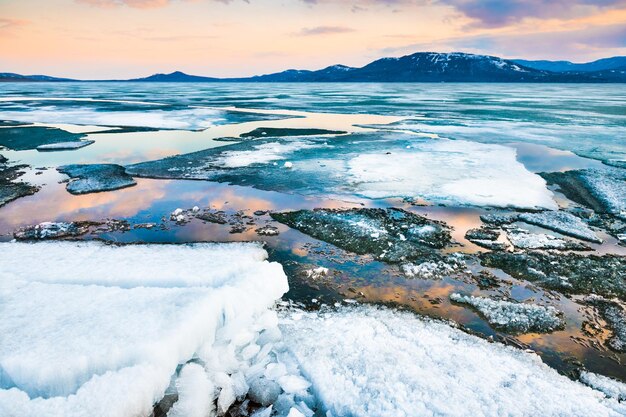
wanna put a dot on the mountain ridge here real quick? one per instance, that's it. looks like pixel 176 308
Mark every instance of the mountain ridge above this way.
pixel 417 67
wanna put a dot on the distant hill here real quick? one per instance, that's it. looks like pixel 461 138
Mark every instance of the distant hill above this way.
pixel 419 67
pixel 12 77
pixel 616 62
pixel 176 76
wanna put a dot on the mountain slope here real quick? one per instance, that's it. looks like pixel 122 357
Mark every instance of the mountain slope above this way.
pixel 615 62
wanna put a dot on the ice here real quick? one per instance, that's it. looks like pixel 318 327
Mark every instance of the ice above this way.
pixel 392 235
pixel 435 269
pixel 608 386
pixel 602 189
pixel 262 154
pixel 99 330
pixel 264 391
pixel 562 222
pixel 455 172
pixel 195 393
pixel 368 361
pixel 513 316
pixel 523 239
pixel 372 165
pixel 93 178
pixel 51 230
pixel 65 146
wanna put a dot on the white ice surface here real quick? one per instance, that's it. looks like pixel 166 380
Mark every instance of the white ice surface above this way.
pixel 366 361
pixel 262 154
pixel 96 330
pixel 196 118
pixel 454 172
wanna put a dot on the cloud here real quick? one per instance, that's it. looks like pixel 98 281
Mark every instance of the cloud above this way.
pixel 590 43
pixel 139 4
pixel 324 30
pixel 497 13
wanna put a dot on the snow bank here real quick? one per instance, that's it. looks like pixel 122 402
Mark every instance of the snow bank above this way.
pixel 458 172
pixel 511 316
pixel 96 330
pixel 368 361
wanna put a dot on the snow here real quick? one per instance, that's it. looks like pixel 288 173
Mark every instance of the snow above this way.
pixel 369 361
pixel 453 172
pixel 99 330
pixel 562 222
pixel 608 386
pixel 262 154
pixel 512 316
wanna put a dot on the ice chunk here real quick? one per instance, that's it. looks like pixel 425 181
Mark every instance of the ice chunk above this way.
pixel 434 269
pixel 512 316
pixel 94 329
pixel 368 361
pixel 52 230
pixel 456 172
pixel 608 386
pixel 96 178
pixel 264 391
pixel 562 222
pixel 523 239
pixel 195 393
pixel 293 384
pixel 65 146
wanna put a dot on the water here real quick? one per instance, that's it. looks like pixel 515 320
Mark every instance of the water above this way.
pixel 541 128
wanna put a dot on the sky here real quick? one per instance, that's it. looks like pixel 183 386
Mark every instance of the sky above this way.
pixel 107 39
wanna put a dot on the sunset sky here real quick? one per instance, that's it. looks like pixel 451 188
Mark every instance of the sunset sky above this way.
pixel 129 38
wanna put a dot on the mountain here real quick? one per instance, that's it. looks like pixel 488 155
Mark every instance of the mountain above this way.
pixel 420 67
pixel 616 62
pixel 177 77
pixel 12 77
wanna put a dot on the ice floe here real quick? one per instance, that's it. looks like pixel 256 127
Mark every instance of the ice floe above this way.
pixel 456 172
pixel 371 165
pixel 562 222
pixel 513 316
pixel 566 272
pixel 65 146
pixel 603 190
pixel 367 361
pixel 96 330
pixel 95 178
pixel 523 239
pixel 392 235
